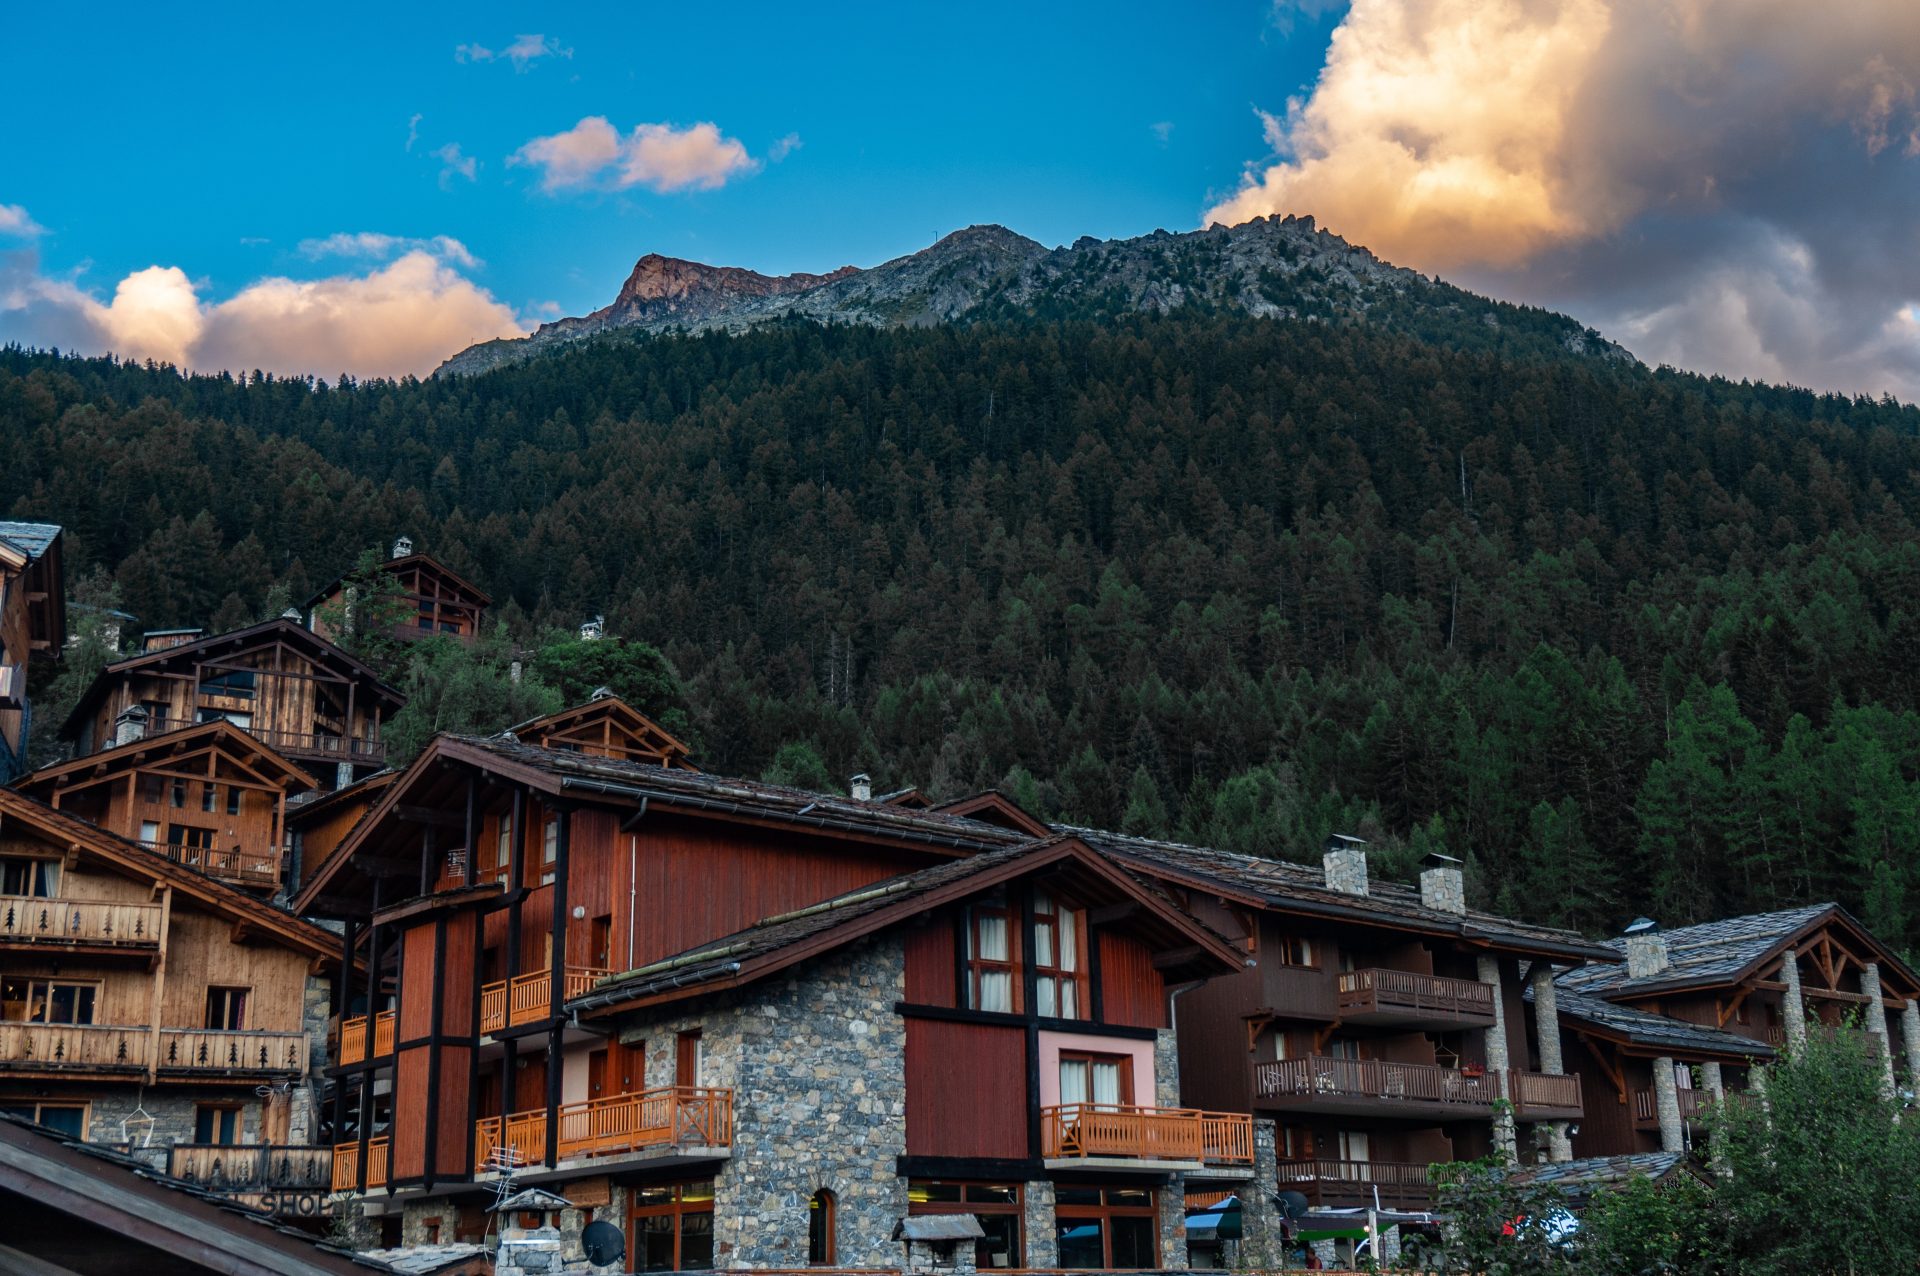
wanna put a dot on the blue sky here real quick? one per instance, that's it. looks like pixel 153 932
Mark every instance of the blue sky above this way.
pixel 220 144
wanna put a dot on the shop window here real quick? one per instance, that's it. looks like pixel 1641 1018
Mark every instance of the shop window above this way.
pixel 997 1205
pixel 820 1229
pixel 216 1123
pixel 993 969
pixel 670 1229
pixel 1107 1227
pixel 1059 959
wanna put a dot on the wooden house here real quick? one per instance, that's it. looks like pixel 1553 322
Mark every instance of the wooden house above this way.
pixel 439 601
pixel 1689 1012
pixel 147 1004
pixel 281 683
pixel 608 727
pixel 212 798
pixel 1382 1027
pixel 32 620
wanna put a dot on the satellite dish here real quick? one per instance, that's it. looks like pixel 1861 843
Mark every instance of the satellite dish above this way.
pixel 605 1244
pixel 1292 1204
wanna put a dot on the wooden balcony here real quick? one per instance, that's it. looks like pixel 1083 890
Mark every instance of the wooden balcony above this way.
pixel 1646 1107
pixel 353 1037
pixel 346 1165
pixel 97 926
pixel 264 1176
pixel 508 1003
pixel 203 1051
pixel 1111 1131
pixel 123 1049
pixel 1406 999
pixel 302 744
pixel 255 869
pixel 1383 1088
pixel 667 1117
pixel 1545 1096
pixel 1346 1184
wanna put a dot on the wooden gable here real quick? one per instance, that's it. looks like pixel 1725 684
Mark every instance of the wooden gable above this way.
pixel 608 727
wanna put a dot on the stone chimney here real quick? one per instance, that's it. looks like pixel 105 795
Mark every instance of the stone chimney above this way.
pixel 1646 949
pixel 402 546
pixel 131 725
pixel 861 786
pixel 1443 884
pixel 1345 861
pixel 593 630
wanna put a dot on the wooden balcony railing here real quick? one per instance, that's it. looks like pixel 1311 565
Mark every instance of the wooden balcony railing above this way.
pixel 232 864
pixel 682 1116
pixel 79 921
pixel 507 1003
pixel 81 1047
pixel 351 748
pixel 218 1050
pixel 353 1037
pixel 383 1028
pixel 1338 1183
pixel 1319 1077
pixel 1148 1134
pixel 1539 1096
pixel 252 1168
pixel 1646 1106
pixel 1387 992
pixel 346 1165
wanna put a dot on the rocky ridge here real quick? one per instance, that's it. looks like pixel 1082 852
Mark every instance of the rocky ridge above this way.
pixel 1272 267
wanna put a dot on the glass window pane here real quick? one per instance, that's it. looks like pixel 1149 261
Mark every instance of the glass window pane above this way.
pixel 69 1121
pixel 996 990
pixel 1069 940
pixel 1073 1081
pixel 1069 1000
pixel 1047 995
pixel 1077 1196
pixel 1043 944
pixel 1134 1243
pixel 656 1243
pixel 1106 1083
pixel 1000 1247
pixel 1080 1242
pixel 696 1242
pixel 993 938
pixel 993 1193
pixel 947 1192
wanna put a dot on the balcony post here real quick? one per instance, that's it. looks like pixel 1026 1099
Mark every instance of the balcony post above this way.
pixel 1505 1141
pixel 1666 1106
pixel 1910 1036
pixel 1793 1006
pixel 1877 1024
pixel 1546 1022
pixel 159 984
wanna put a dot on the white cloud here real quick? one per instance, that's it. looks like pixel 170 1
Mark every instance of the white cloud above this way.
pixel 472 53
pixel 413 129
pixel 523 52
pixel 1695 172
pixel 658 156
pixel 1162 131
pixel 372 244
pixel 454 164
pixel 403 317
pixel 784 147
pixel 15 224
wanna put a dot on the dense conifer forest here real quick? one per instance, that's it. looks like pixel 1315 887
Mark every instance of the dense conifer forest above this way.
pixel 1628 641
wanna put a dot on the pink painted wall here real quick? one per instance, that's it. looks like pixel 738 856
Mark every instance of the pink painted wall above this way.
pixel 1052 1043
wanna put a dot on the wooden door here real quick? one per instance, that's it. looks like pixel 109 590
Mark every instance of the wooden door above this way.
pixel 597 1074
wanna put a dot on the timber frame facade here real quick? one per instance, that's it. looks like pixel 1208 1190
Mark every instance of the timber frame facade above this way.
pixel 279 682
pixel 443 602
pixel 32 621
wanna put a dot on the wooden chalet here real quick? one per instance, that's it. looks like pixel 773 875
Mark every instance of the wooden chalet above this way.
pixel 1689 1012
pixel 279 682
pixel 212 798
pixel 32 620
pixel 444 603
pixel 1384 1028
pixel 148 1004
pixel 608 727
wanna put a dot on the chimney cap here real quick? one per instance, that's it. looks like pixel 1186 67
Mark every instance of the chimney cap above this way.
pixel 1434 859
pixel 133 712
pixel 1642 926
pixel 1344 842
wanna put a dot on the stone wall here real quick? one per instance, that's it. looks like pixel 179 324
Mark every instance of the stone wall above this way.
pixel 816 1060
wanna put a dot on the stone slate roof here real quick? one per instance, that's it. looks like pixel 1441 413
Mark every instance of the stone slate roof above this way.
pixel 1711 952
pixel 1645 1029
pixel 751 797
pixel 30 539
pixel 1283 885
pixel 1582 1178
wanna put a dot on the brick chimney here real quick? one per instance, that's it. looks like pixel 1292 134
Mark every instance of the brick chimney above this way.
pixel 1443 884
pixel 1345 862
pixel 1646 949
pixel 131 725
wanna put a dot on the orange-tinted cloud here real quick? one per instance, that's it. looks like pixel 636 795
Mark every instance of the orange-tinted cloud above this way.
pixel 658 156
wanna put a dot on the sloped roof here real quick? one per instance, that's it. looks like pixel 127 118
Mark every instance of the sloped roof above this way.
pixel 99 1186
pixel 31 539
pixel 120 756
pixel 1710 953
pixel 1284 886
pixel 1582 1178
pixel 1643 1028
pixel 778 941
pixel 395 564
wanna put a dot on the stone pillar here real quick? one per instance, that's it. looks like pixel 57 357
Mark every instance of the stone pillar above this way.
pixel 1666 1100
pixel 1793 1006
pixel 1261 1244
pixel 1505 1141
pixel 527 1251
pixel 1043 1248
pixel 1546 1023
pixel 1714 1080
pixel 1173 1223
pixel 1877 1023
pixel 1910 1036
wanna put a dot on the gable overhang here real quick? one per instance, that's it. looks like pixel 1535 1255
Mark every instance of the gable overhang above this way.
pixel 269 767
pixel 1899 983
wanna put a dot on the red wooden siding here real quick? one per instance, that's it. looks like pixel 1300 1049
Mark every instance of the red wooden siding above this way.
pixel 456 1136
pixel 458 975
pixel 409 1150
pixel 931 980
pixel 417 976
pixel 966 1089
pixel 1131 990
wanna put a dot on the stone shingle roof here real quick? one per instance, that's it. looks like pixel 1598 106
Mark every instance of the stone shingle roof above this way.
pixel 1717 951
pixel 1580 1179
pixel 1281 884
pixel 1643 1028
pixel 30 539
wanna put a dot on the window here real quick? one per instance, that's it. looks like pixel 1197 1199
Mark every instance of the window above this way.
pixel 68 1118
pixel 671 1228
pixel 503 846
pixel 1295 950
pixel 820 1229
pixel 209 798
pixel 689 1059
pixel 150 832
pixel 234 684
pixel 233 799
pixel 1106 1227
pixel 1060 981
pixel 549 849
pixel 993 970
pixel 216 1123
pixel 37 878
pixel 1096 1078
pixel 153 789
pixel 227 1008
pixel 47 1001
pixel 601 942
pixel 177 795
pixel 996 1205
pixel 1352 1145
